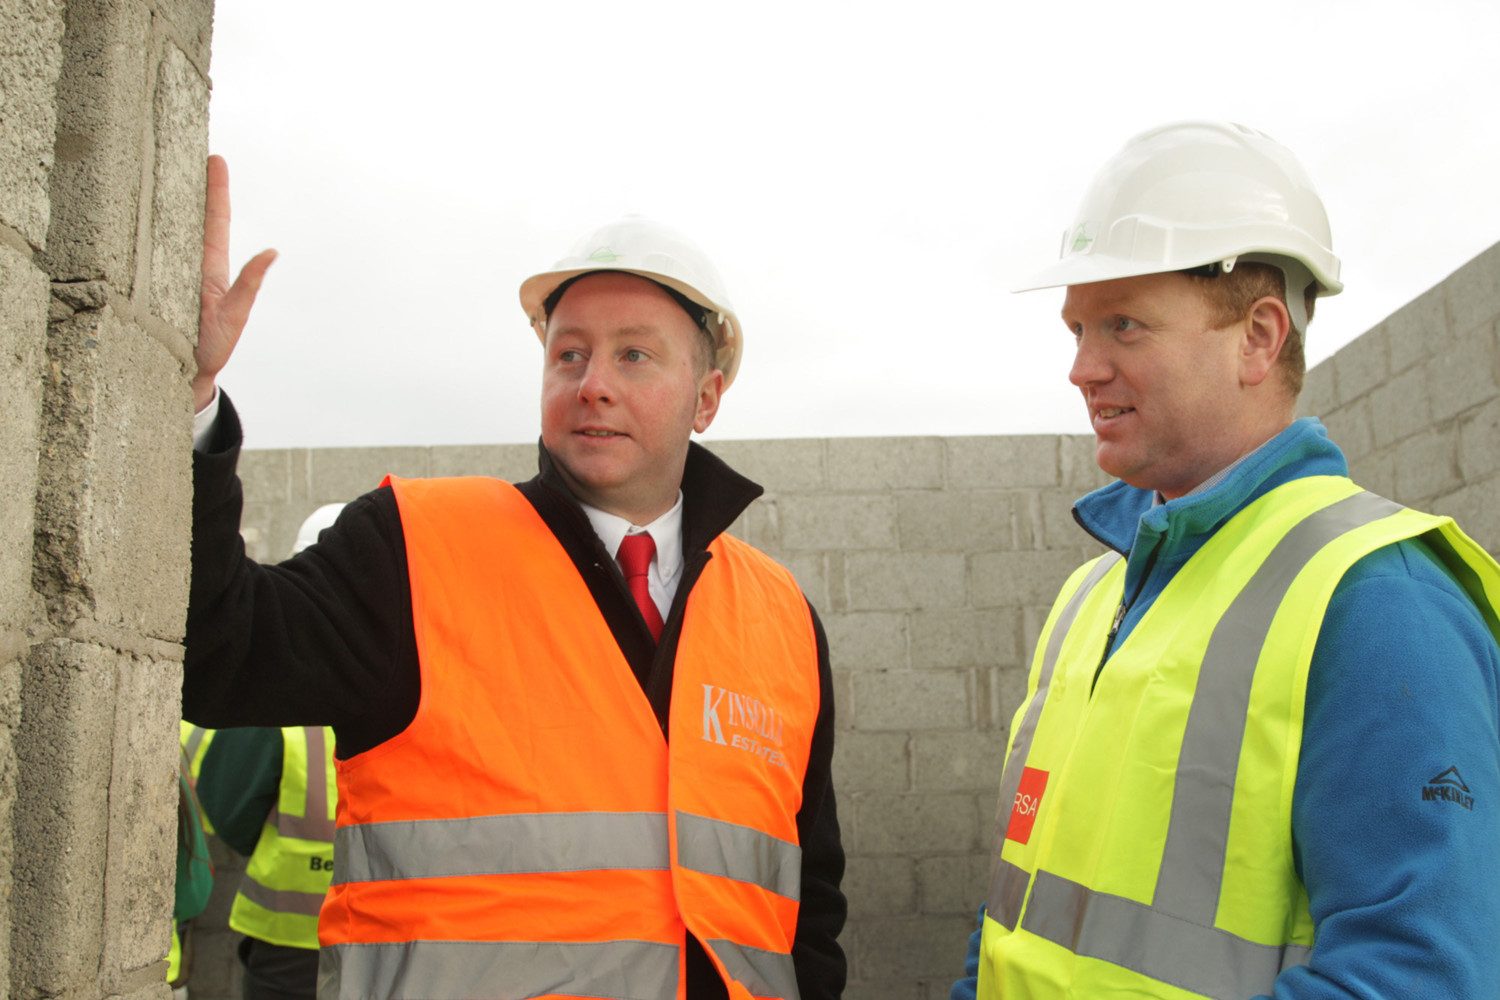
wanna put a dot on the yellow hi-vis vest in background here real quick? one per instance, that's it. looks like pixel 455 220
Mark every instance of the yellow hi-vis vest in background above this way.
pixel 193 744
pixel 289 872
pixel 1145 845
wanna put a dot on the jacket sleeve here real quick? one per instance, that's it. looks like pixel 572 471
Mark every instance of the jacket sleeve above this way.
pixel 239 784
pixel 816 954
pixel 967 988
pixel 1402 883
pixel 324 638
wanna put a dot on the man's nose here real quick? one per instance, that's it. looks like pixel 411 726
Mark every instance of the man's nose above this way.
pixel 597 384
pixel 1090 366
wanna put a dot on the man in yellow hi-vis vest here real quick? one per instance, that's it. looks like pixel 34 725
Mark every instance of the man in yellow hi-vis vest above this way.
pixel 1259 753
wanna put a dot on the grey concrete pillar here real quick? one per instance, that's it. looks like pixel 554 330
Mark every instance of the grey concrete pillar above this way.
pixel 103 133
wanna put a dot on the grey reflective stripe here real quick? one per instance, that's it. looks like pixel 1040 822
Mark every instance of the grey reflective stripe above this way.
pixel 1007 893
pixel 1187 955
pixel 500 845
pixel 1173 940
pixel 1192 865
pixel 715 847
pixel 1002 896
pixel 492 970
pixel 305 904
pixel 314 823
pixel 763 973
pixel 195 740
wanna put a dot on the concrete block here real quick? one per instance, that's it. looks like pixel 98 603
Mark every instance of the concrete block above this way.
pixel 958 521
pixel 1351 427
pixel 760 525
pixel 879 887
pixel 811 572
pixel 1319 391
pixel 514 463
pixel 1033 618
pixel 843 700
pixel 867 640
pixel 1362 364
pixel 1462 373
pixel 879 581
pixel 880 989
pixel 1415 330
pixel 1475 509
pixel 1006 687
pixel 1427 466
pixel 961 637
pixel 23 329
pixel 180 110
pixel 788 466
pixel 954 884
pixel 928 699
pixel 10 723
pixel 1017 579
pixel 1079 464
pixel 1479 442
pixel 341 474
pixel 190 23
pixel 1059 530
pixel 1004 462
pixel 906 948
pixel 102 103
pixel 871 762
pixel 1473 506
pixel 914 825
pixel 274 475
pixel 62 815
pixel 114 481
pixel 957 762
pixel 901 463
pixel 142 840
pixel 1376 473
pixel 1399 408
pixel 1473 293
pixel 31 34
pixel 837 521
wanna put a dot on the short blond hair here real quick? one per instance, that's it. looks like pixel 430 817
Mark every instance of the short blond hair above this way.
pixel 1231 294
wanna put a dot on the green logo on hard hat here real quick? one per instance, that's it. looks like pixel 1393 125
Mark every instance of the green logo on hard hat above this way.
pixel 604 255
pixel 1082 238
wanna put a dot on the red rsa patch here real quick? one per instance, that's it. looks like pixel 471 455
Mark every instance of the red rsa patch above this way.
pixel 1028 799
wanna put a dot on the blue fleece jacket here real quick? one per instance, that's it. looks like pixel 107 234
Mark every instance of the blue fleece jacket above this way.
pixel 1404 686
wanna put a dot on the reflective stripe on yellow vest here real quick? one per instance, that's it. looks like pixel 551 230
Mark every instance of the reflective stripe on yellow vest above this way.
pixel 290 869
pixel 532 833
pixel 1146 850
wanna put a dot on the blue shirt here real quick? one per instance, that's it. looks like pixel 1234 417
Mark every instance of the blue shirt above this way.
pixel 1404 887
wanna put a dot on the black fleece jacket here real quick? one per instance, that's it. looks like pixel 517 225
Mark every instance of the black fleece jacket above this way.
pixel 326 638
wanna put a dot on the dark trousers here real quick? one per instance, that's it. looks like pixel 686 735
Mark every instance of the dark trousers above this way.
pixel 274 972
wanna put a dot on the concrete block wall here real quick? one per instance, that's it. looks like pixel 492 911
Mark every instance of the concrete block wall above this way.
pixel 103 134
pixel 1415 402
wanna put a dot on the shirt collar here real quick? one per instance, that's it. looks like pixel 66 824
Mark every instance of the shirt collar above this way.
pixel 665 532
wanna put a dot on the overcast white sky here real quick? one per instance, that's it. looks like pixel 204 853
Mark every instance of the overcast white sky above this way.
pixel 868 178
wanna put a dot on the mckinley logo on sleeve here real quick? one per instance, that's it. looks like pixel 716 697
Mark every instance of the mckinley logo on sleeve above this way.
pixel 1449 787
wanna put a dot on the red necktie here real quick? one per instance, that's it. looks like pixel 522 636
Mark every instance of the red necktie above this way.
pixel 635 559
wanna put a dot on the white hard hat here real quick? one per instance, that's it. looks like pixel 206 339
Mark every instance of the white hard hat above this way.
pixel 311 528
pixel 642 246
pixel 1199 193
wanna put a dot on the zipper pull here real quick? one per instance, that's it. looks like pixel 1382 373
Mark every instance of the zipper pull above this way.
pixel 1114 627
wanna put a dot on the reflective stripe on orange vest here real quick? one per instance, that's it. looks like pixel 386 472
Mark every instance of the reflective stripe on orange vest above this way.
pixel 532 833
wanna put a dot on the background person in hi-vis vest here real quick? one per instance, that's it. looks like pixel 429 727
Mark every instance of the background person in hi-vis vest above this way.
pixel 584 736
pixel 270 795
pixel 1258 755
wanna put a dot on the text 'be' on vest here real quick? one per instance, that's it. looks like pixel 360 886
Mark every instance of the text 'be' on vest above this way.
pixel 1144 834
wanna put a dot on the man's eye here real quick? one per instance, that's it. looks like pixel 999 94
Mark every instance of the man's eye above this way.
pixel 635 355
pixel 569 356
pixel 1124 323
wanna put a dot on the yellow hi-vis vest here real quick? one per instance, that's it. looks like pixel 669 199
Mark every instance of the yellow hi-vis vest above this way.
pixel 1145 847
pixel 193 742
pixel 292 865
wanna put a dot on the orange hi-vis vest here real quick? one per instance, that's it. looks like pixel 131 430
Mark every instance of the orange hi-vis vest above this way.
pixel 532 833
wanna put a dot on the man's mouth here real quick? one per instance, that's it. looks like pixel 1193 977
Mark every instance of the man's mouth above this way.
pixel 1108 412
pixel 589 432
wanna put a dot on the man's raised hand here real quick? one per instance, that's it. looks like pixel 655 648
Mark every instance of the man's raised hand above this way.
pixel 223 308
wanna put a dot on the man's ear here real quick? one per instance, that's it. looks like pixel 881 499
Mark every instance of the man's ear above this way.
pixel 710 390
pixel 1263 335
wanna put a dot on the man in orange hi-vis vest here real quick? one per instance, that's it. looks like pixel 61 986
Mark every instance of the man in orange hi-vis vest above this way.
pixel 583 736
